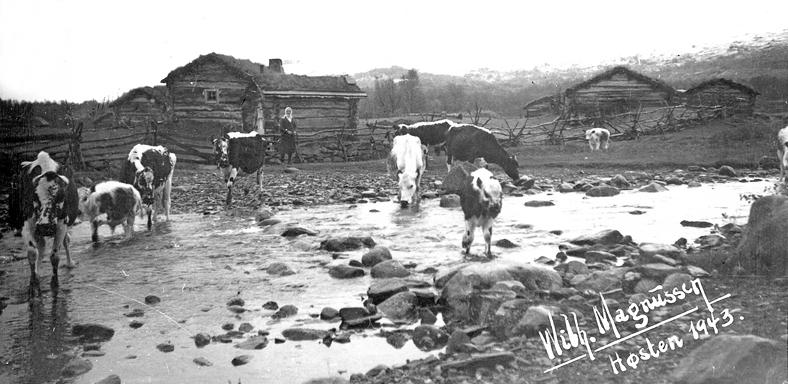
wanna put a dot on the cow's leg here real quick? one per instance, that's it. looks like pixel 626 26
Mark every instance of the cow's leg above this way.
pixel 128 229
pixel 66 243
pixel 35 246
pixel 260 178
pixel 467 237
pixel 60 235
pixel 166 197
pixel 150 223
pixel 229 176
pixel 448 161
pixel 487 231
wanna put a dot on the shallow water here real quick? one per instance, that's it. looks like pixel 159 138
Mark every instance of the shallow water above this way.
pixel 195 263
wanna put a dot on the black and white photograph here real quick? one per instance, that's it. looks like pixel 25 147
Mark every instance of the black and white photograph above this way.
pixel 381 192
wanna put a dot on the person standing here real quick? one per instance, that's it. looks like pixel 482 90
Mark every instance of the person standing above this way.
pixel 287 129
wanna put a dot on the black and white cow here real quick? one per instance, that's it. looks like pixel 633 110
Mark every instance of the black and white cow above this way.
pixel 236 150
pixel 431 133
pixel 481 200
pixel 598 137
pixel 49 205
pixel 782 153
pixel 149 169
pixel 112 203
pixel 407 159
pixel 467 142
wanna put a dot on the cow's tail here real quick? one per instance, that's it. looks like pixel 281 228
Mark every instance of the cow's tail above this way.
pixel 139 209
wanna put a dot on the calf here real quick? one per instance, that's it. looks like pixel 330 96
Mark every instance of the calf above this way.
pixel 408 159
pixel 149 169
pixel 467 142
pixel 49 204
pixel 481 201
pixel 782 153
pixel 239 150
pixel 120 203
pixel 597 136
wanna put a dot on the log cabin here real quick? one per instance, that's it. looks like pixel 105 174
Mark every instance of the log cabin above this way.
pixel 617 90
pixel 722 92
pixel 141 105
pixel 546 105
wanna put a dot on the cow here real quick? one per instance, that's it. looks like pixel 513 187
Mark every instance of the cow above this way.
pixel 782 153
pixel 239 150
pixel 49 204
pixel 119 202
pixel 467 142
pixel 597 136
pixel 408 159
pixel 481 200
pixel 431 133
pixel 149 169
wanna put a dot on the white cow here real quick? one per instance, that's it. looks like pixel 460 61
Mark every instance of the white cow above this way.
pixel 597 136
pixel 112 203
pixel 408 159
pixel 782 153
pixel 481 200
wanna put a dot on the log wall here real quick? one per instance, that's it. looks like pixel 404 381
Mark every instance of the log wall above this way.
pixel 616 93
pixel 720 94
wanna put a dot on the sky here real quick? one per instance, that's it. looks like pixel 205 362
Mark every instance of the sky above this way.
pixel 79 50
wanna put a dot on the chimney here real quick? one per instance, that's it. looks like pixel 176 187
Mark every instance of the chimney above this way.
pixel 275 65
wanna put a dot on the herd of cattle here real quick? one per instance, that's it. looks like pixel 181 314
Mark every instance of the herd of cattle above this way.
pixel 45 201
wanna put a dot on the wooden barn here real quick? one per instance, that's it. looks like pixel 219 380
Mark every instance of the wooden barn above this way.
pixel 722 92
pixel 217 93
pixel 140 106
pixel 543 106
pixel 617 90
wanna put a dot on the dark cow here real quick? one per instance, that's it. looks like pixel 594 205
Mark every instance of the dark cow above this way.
pixel 149 169
pixel 431 133
pixel 118 202
pixel 481 201
pixel 240 150
pixel 49 204
pixel 467 142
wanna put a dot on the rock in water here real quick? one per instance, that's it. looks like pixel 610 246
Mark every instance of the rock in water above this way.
pixel 620 182
pixel 380 290
pixel 152 299
pixel 607 236
pixel 285 311
pixel 300 334
pixel 450 201
pixel 280 269
pixel 111 379
pixel 254 342
pixel 401 306
pixel 653 187
pixel 203 362
pixel 345 272
pixel 165 347
pixel 241 360
pixel 727 170
pixel 428 337
pixel 344 244
pixel 202 339
pixel 92 332
pixel 602 191
pixel 375 256
pixel 505 243
pixel 329 313
pixel 696 224
pixel 729 358
pixel 76 367
pixel 539 203
pixel 297 231
pixel 388 269
pixel 764 247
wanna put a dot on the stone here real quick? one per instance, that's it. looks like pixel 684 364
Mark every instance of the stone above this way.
pixel 236 309
pixel 696 224
pixel 459 342
pixel 574 267
pixel 236 301
pixel 710 241
pixel 764 246
pixel 279 269
pixel 389 269
pixel 602 191
pixel 362 322
pixel 727 358
pixel 286 311
pixel 653 187
pixel 134 324
pixel 344 244
pixel 252 343
pixel 203 362
pixel 271 306
pixel 565 187
pixel 429 337
pixel 727 171
pixel 694 184
pixel 460 171
pixel 645 286
pixel 695 271
pixel 676 280
pixel 657 270
pixel 152 300
pixel 111 379
pixel 268 222
pixel 509 285
pixel 598 257
pixel 245 327
pixel 353 313
pixel 535 319
pixel 241 360
pixel 375 256
pixel 263 213
pixel 600 281
pixel 228 326
pixel 136 312
pixel 647 250
pixel 328 313
pixel 345 272
pixel 401 306
pixel 291 170
pixel 620 182
pixel 92 332
pixel 607 236
pixel 450 201
pixel 636 175
pixel 202 339
pixel 539 203
pixel 76 366
pixel 298 231
pixel 380 290
pixel 300 334
pixel 506 316
pixel 488 360
pixel 426 316
pixel 505 243
pixel 377 370
pixel 165 347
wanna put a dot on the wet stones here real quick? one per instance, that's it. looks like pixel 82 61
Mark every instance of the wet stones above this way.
pixel 539 203
pixel 236 301
pixel 92 332
pixel 236 309
pixel 285 311
pixel 152 300
pixel 399 307
pixel 388 269
pixel 426 316
pixel 271 306
pixel 134 324
pixel 241 360
pixel 111 379
pixel 598 257
pixel 228 326
pixel 607 236
pixel 345 272
pixel 764 247
pixel 298 231
pixel 252 343
pixel 428 337
pixel 381 290
pixel 459 342
pixel 301 334
pixel 535 318
pixel 505 243
pixel 657 270
pixel 600 281
pixel 619 182
pixel 727 170
pixel 280 269
pixel 262 214
pixel 245 327
pixel 636 175
pixel 76 366
pixel 328 314
pixel 602 191
pixel 450 201
pixel 375 256
pixel 565 188
pixel 136 312
pixel 653 187
pixel 696 224
pixel 202 339
pixel 345 244
pixel 202 362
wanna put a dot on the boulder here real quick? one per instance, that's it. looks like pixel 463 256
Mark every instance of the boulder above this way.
pixel 459 342
pixel 676 280
pixel 727 170
pixel 598 257
pixel 600 281
pixel 344 244
pixel 505 243
pixel 764 246
pixel 565 187
pixel 380 290
pixel 460 170
pixel 710 241
pixel 92 332
pixel 636 175
pixel 727 358
pixel 539 203
pixel 375 256
pixel 285 311
pixel 505 318
pixel 202 339
pixel 298 231
pixel 607 237
pixel 482 306
pixel 535 319
pixel 426 316
pixel 657 271
pixel 653 187
pixel 280 269
pixel 428 337
pixel 450 201
pixel 602 191
pixel 241 360
pixel 620 182
pixel 509 285
pixel 648 250
pixel 345 272
pixel 76 367
pixel 111 379
pixel 401 306
pixel 389 269
pixel 254 342
pixel 574 267
pixel 328 313
pixel 300 334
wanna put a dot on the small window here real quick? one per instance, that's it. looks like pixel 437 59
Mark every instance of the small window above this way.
pixel 211 95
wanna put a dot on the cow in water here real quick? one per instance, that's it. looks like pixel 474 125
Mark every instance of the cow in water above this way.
pixel 407 159
pixel 431 133
pixel 236 150
pixel 481 201
pixel 598 137
pixel 112 203
pixel 149 169
pixel 467 142
pixel 782 153
pixel 48 203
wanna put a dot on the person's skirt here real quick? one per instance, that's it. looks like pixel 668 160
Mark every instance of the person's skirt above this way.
pixel 287 144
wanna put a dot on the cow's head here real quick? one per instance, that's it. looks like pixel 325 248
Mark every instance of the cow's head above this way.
pixel 221 151
pixel 510 166
pixel 400 129
pixel 143 181
pixel 488 191
pixel 407 182
pixel 48 201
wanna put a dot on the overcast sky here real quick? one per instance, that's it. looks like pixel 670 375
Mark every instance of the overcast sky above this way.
pixel 79 50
